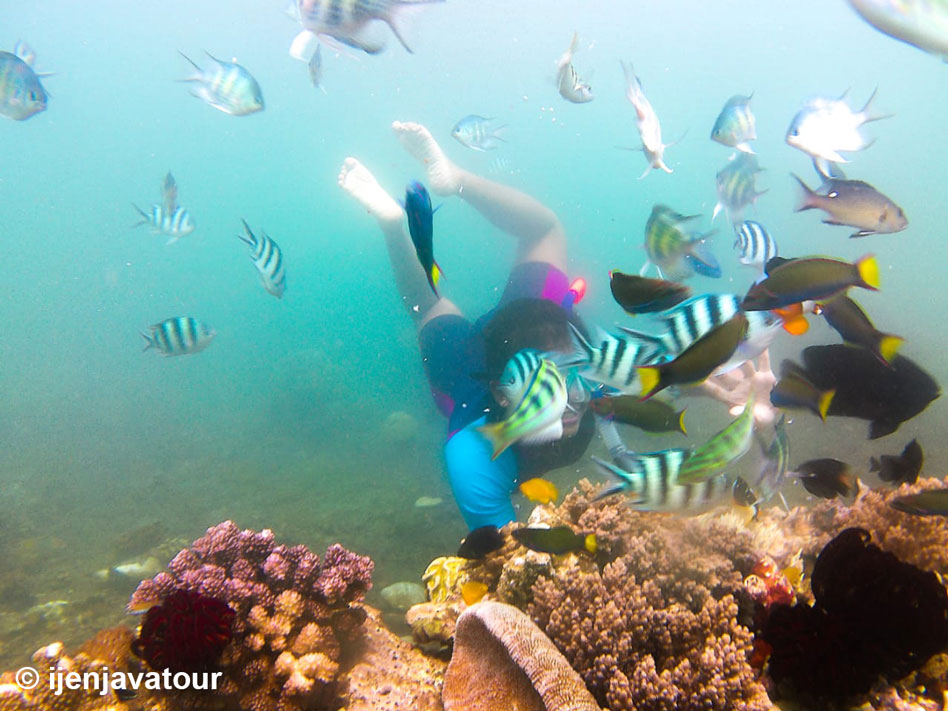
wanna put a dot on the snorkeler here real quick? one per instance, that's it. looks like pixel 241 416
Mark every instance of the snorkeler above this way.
pixel 463 359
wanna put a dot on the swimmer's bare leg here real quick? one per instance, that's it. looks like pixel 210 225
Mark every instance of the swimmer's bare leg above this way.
pixel 540 236
pixel 410 278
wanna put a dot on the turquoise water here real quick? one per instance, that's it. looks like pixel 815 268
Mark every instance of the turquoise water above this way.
pixel 277 424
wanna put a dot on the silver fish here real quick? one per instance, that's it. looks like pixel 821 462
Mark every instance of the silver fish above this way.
pixel 478 132
pixel 736 125
pixel 854 203
pixel 267 257
pixel 345 21
pixel 570 86
pixel 227 87
pixel 21 93
pixel 646 120
pixel 174 224
pixel 921 23
pixel 754 244
pixel 824 127
pixel 737 187
pixel 177 336
pixel 316 70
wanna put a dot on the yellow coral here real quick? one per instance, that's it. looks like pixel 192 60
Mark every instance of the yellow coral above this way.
pixel 442 577
pixel 289 603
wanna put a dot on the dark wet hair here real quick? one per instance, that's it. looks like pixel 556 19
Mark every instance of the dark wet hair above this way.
pixel 526 323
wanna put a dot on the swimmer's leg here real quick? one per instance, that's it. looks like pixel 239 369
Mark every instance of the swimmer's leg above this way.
pixel 410 278
pixel 539 234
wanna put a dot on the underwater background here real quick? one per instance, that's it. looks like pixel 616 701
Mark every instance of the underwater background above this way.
pixel 280 423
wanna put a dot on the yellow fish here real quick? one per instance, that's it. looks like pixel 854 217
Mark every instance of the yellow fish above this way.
pixel 472 591
pixel 539 490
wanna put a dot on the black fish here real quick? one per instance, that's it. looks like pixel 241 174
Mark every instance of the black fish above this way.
pixel 902 469
pixel 557 541
pixel 420 227
pixel 886 395
pixel 640 295
pixel 481 541
pixel 827 478
pixel 933 502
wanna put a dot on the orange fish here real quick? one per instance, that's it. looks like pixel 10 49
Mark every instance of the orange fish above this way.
pixel 472 591
pixel 539 490
pixel 794 322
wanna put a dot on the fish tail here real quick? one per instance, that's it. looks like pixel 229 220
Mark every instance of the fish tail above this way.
pixel 866 115
pixel 874 464
pixel 796 325
pixel 590 543
pixel 149 341
pixel 868 270
pixel 651 377
pixel 823 404
pixel 806 200
pixel 250 238
pixel 195 77
pixel 494 434
pixel 144 220
pixel 888 346
pixel 434 278
pixel 681 422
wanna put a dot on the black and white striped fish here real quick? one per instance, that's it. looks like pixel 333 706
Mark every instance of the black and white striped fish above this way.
pixel 754 244
pixel 650 479
pixel 692 319
pixel 345 21
pixel 177 336
pixel 613 360
pixel 174 224
pixel 227 87
pixel 267 257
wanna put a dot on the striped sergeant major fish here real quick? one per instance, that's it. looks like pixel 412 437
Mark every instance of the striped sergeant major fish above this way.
pixel 773 473
pixel 21 93
pixel 614 360
pixel 517 374
pixel 174 224
pixel 538 414
pixel 674 250
pixel 737 187
pixel 650 478
pixel 345 21
pixel 227 87
pixel 754 244
pixel 267 257
pixel 694 318
pixel 726 447
pixel 181 335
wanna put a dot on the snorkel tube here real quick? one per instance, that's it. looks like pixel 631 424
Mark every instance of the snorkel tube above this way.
pixel 575 294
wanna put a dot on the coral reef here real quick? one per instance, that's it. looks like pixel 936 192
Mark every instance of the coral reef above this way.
pixel 502 660
pixel 873 615
pixel 294 615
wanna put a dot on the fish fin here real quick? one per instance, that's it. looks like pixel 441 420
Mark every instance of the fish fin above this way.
pixel 590 543
pixel 717 211
pixel 651 378
pixel 390 21
pixel 22 50
pixel 648 169
pixel 681 422
pixel 622 479
pixel 144 220
pixel 149 341
pixel 492 433
pixel 744 147
pixel 830 221
pixel 805 201
pixel 434 277
pixel 868 269
pixel 866 116
pixel 796 325
pixel 888 347
pixel 301 46
pixel 862 233
pixel 567 56
pixel 171 240
pixel 191 62
pixel 647 337
pixel 823 404
pixel 881 428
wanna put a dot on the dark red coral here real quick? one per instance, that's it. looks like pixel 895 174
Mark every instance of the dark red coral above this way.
pixel 185 633
pixel 873 615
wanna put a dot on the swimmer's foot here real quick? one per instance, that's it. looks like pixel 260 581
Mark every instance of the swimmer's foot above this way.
pixel 444 177
pixel 356 180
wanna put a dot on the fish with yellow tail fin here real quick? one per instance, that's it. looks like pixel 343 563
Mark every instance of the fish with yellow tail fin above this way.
pixel 559 540
pixel 727 446
pixel 473 591
pixel 795 391
pixel 851 322
pixel 792 281
pixel 698 361
pixel 537 416
pixel 421 228
pixel 539 490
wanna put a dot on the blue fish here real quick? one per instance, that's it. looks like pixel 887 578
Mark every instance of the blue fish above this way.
pixel 421 227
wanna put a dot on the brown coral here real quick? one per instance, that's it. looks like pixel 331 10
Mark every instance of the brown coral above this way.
pixel 502 660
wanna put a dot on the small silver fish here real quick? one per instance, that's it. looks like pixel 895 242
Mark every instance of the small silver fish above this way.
pixel 736 125
pixel 646 120
pixel 824 127
pixel 920 23
pixel 737 187
pixel 21 93
pixel 227 87
pixel 345 21
pixel 316 70
pixel 478 132
pixel 570 86
pixel 267 257
pixel 178 336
